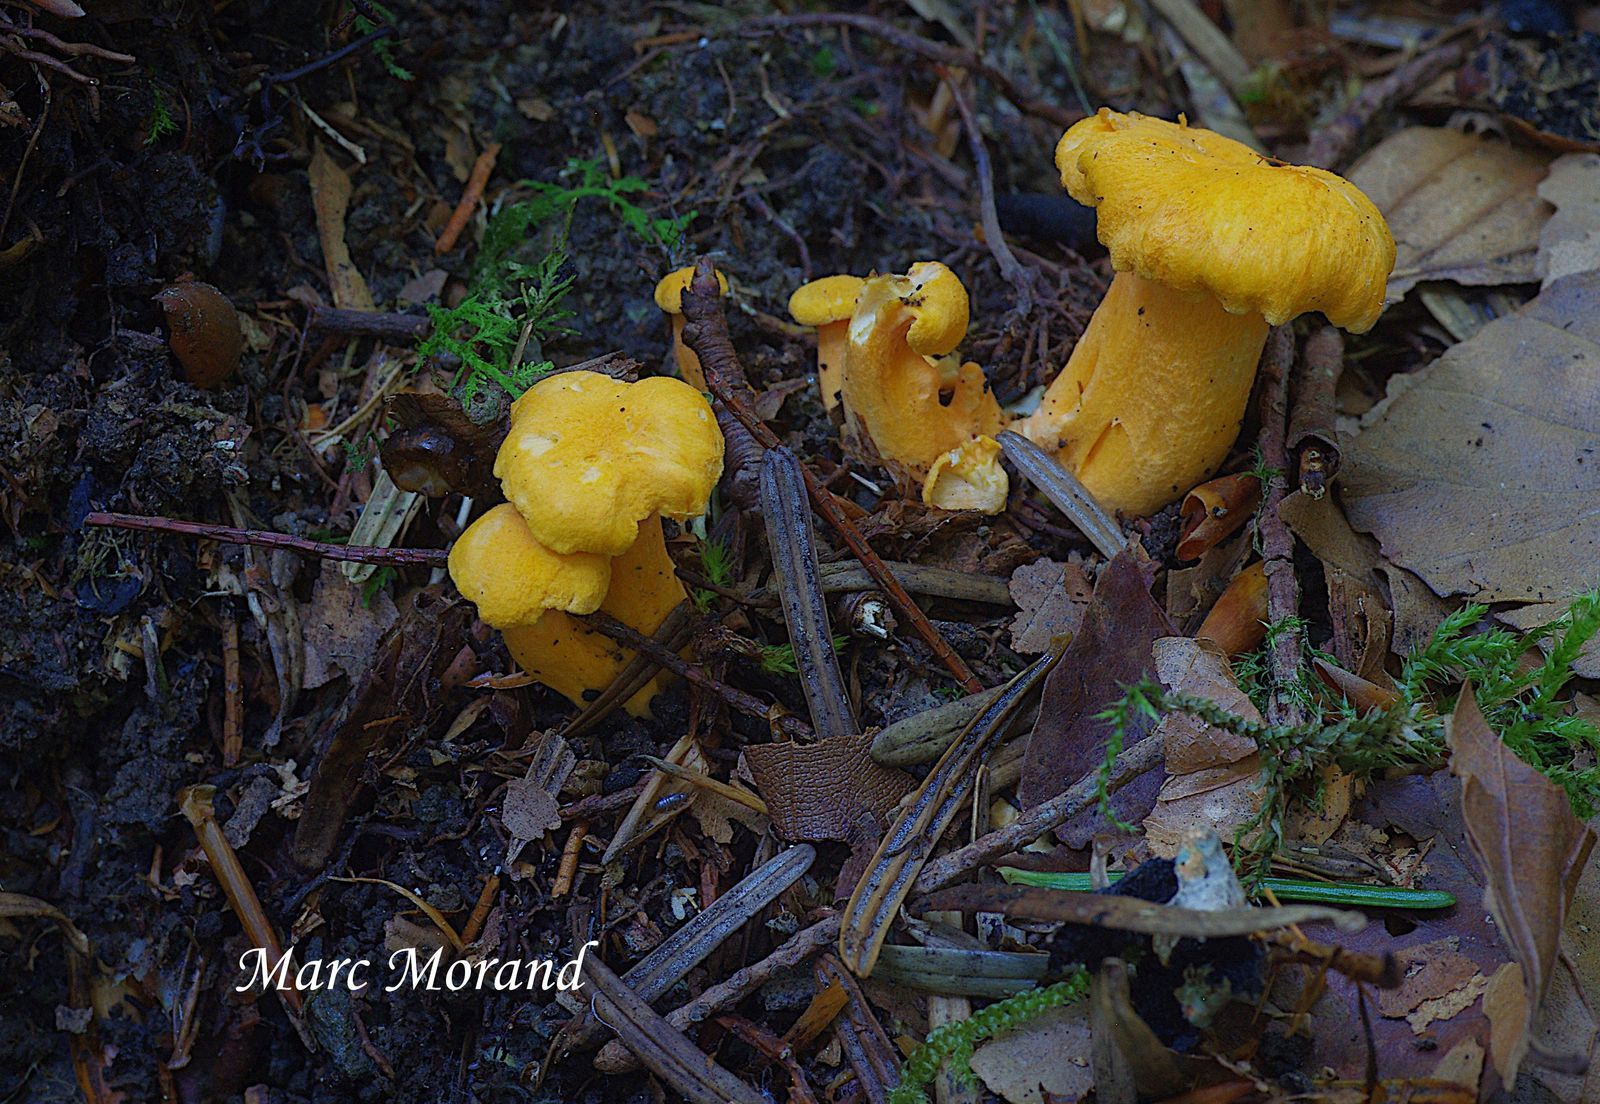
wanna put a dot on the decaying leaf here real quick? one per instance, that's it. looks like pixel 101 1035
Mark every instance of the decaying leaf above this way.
pixel 341 627
pixel 1112 649
pixel 1047 1055
pixel 530 808
pixel 1532 850
pixel 1570 241
pixel 1481 471
pixel 330 195
pixel 1050 599
pixel 1211 772
pixel 1461 207
pixel 828 790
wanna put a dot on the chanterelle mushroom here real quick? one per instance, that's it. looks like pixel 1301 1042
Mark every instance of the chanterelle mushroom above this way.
pixel 902 390
pixel 968 478
pixel 591 464
pixel 527 591
pixel 669 297
pixel 1212 244
pixel 827 304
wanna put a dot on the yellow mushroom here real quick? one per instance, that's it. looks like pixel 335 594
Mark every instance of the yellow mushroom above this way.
pixel 1212 244
pixel 669 297
pixel 902 389
pixel 527 591
pixel 827 305
pixel 572 659
pixel 590 466
pixel 968 478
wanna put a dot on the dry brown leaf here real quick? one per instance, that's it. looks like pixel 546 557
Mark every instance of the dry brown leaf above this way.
pixel 1050 600
pixel 1570 241
pixel 1568 1020
pixel 341 629
pixel 1481 471
pixel 330 196
pixel 530 807
pixel 1112 648
pixel 1048 1054
pixel 1212 771
pixel 1427 971
pixel 829 790
pixel 1461 207
pixel 1532 850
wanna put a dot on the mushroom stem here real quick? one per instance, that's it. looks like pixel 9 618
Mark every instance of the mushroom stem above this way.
pixel 688 363
pixel 832 341
pixel 1167 407
pixel 572 659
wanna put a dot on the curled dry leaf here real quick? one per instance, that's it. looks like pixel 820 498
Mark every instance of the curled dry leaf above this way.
pixel 1532 850
pixel 1112 649
pixel 1211 772
pixel 1461 207
pixel 1570 241
pixel 1481 471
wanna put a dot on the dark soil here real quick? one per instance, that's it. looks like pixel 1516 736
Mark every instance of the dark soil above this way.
pixel 112 645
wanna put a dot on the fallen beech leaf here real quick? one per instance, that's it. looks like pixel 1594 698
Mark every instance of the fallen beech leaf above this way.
pixel 1050 599
pixel 1567 1020
pixel 1533 851
pixel 1212 772
pixel 1112 649
pixel 1570 241
pixel 1428 970
pixel 1461 207
pixel 1480 472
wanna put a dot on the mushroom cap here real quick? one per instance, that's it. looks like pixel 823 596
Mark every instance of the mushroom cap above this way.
pixel 830 299
pixel 590 457
pixel 1195 211
pixel 513 579
pixel 669 291
pixel 929 293
pixel 969 478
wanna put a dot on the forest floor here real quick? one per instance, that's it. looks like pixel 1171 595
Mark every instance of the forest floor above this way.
pixel 386 779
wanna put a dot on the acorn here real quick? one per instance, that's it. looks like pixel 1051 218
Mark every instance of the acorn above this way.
pixel 203 332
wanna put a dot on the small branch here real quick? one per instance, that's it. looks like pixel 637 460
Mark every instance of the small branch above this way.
pixel 481 168
pixel 75 49
pixel 791 727
pixel 1019 277
pixel 331 59
pixel 614 1058
pixel 261 538
pixel 1277 543
pixel 1332 145
pixel 391 327
pixel 1042 818
pixel 706 332
pixel 912 43
pixel 666 1051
